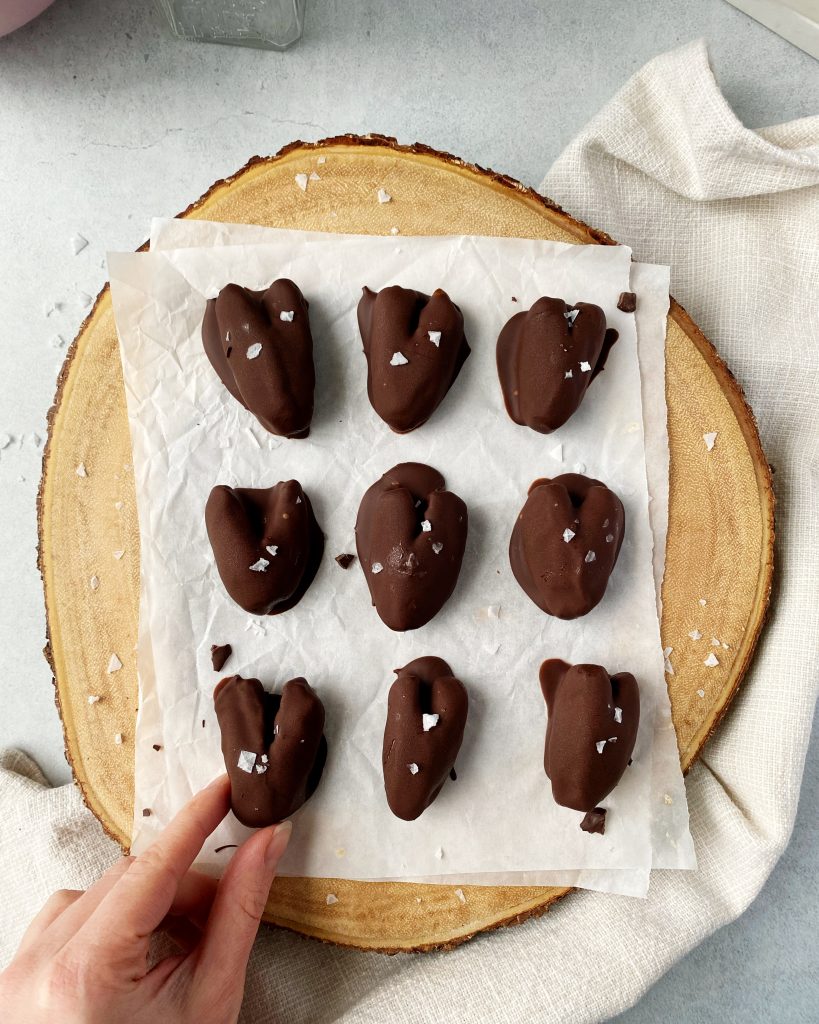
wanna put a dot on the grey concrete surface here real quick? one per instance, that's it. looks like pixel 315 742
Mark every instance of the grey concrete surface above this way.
pixel 106 120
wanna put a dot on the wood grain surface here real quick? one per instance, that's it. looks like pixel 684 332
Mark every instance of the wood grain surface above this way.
pixel 720 538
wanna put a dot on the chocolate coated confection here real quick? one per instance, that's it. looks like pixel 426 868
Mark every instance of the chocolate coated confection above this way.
pixel 415 348
pixel 547 357
pixel 410 536
pixel 426 717
pixel 266 542
pixel 260 345
pixel 590 732
pixel 274 747
pixel 565 543
pixel 219 654
pixel 595 821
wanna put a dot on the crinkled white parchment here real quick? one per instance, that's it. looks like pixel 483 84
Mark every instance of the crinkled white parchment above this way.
pixel 498 821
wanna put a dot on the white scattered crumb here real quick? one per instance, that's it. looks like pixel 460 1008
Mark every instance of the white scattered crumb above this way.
pixel 301 181
pixel 590 556
pixel 398 359
pixel 93 698
pixel 331 899
pixel 414 769
pixel 94 583
pixel 298 500
pixel 600 744
pixel 81 470
pixel 695 634
pixel 585 367
pixel 439 853
pixel 700 693
pixel 247 761
pixel 715 642
pixel 557 452
pixel 259 566
pixel 429 721
pixel 417 899
pixel 273 549
pixel 568 375
pixel 264 758
pixel 709 440
pixel 376 568
pixel 568 534
pixel 118 738
pixel 460 894
pixel 384 196
pixel 434 337
pixel 437 547
pixel 571 315
pixel 322 160
pixel 609 538
pixel 314 177
pixel 393 231
pixel 118 555
pixel 261 769
pixel 78 243
pixel 618 715
pixel 668 800
pixel 287 315
pixel 254 350
pixel 114 664
pixel 711 661
pixel 426 526
pixel 703 602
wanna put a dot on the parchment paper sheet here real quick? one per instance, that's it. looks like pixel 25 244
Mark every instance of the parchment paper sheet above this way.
pixel 498 818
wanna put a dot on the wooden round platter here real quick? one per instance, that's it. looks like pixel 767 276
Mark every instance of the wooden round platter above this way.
pixel 720 536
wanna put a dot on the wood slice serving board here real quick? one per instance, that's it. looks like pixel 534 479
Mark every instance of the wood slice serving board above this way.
pixel 720 537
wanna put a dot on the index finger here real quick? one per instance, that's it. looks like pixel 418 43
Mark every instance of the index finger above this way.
pixel 143 896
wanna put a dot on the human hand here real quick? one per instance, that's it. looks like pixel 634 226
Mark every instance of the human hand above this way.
pixel 83 959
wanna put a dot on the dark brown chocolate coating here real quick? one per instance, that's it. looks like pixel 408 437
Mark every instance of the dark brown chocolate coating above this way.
pixel 547 358
pixel 566 573
pixel 587 748
pixel 410 536
pixel 245 526
pixel 274 747
pixel 395 324
pixel 219 654
pixel 595 821
pixel 627 302
pixel 416 762
pixel 277 384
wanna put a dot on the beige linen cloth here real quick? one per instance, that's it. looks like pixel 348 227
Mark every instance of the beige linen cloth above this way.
pixel 667 168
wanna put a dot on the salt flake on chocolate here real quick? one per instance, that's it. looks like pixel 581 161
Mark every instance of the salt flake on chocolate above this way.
pixel 259 566
pixel 618 715
pixel 434 337
pixel 429 721
pixel 287 315
pixel 600 745
pixel 377 567
pixel 568 375
pixel 261 769
pixel 247 761
pixel 609 538
pixel 585 367
pixel 426 526
pixel 414 769
pixel 437 547
pixel 709 440
pixel 590 556
pixel 272 549
pixel 398 359
pixel 254 351
pixel 571 315
pixel 568 534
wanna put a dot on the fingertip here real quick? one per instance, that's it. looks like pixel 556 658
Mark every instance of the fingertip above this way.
pixel 278 844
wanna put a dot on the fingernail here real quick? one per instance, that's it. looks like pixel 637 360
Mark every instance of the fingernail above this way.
pixel 278 844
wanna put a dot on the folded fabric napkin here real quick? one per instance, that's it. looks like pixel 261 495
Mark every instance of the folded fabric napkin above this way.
pixel 667 168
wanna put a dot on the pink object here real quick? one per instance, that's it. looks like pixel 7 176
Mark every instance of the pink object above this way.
pixel 14 13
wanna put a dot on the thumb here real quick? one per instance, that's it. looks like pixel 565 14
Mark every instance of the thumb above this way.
pixel 237 909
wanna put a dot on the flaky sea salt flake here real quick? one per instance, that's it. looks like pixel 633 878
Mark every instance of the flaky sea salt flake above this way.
pixel 618 715
pixel 331 899
pixel 709 440
pixel 429 721
pixel 94 583
pixel 695 634
pixel 118 738
pixel 585 367
pixel 287 315
pixel 571 315
pixel 434 337
pixel 93 698
pixel 437 547
pixel 78 243
pixel 568 375
pixel 590 556
pixel 426 526
pixel 377 567
pixel 384 196
pixel 259 566
pixel 557 452
pixel 301 181
pixel 711 661
pixel 313 176
pixel 600 745
pixel 414 769
pixel 81 470
pixel 394 231
pixel 398 359
pixel 460 894
pixel 247 761
pixel 568 534
pixel 254 351
pixel 700 693
pixel 114 664
pixel 273 549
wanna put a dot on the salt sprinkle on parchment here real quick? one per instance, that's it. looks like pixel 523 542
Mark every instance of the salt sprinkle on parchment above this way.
pixel 557 452
pixel 426 526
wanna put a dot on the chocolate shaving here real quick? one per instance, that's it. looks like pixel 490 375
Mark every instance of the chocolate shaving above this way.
pixel 146 812
pixel 157 746
pixel 345 560
pixel 595 821
pixel 627 302
pixel 219 654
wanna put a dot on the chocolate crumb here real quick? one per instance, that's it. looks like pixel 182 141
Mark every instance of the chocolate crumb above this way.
pixel 345 560
pixel 453 774
pixel 203 723
pixel 227 846
pixel 627 302
pixel 219 654
pixel 157 746
pixel 514 299
pixel 595 821
pixel 146 812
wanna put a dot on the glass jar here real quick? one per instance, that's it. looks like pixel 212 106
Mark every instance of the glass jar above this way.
pixel 265 24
